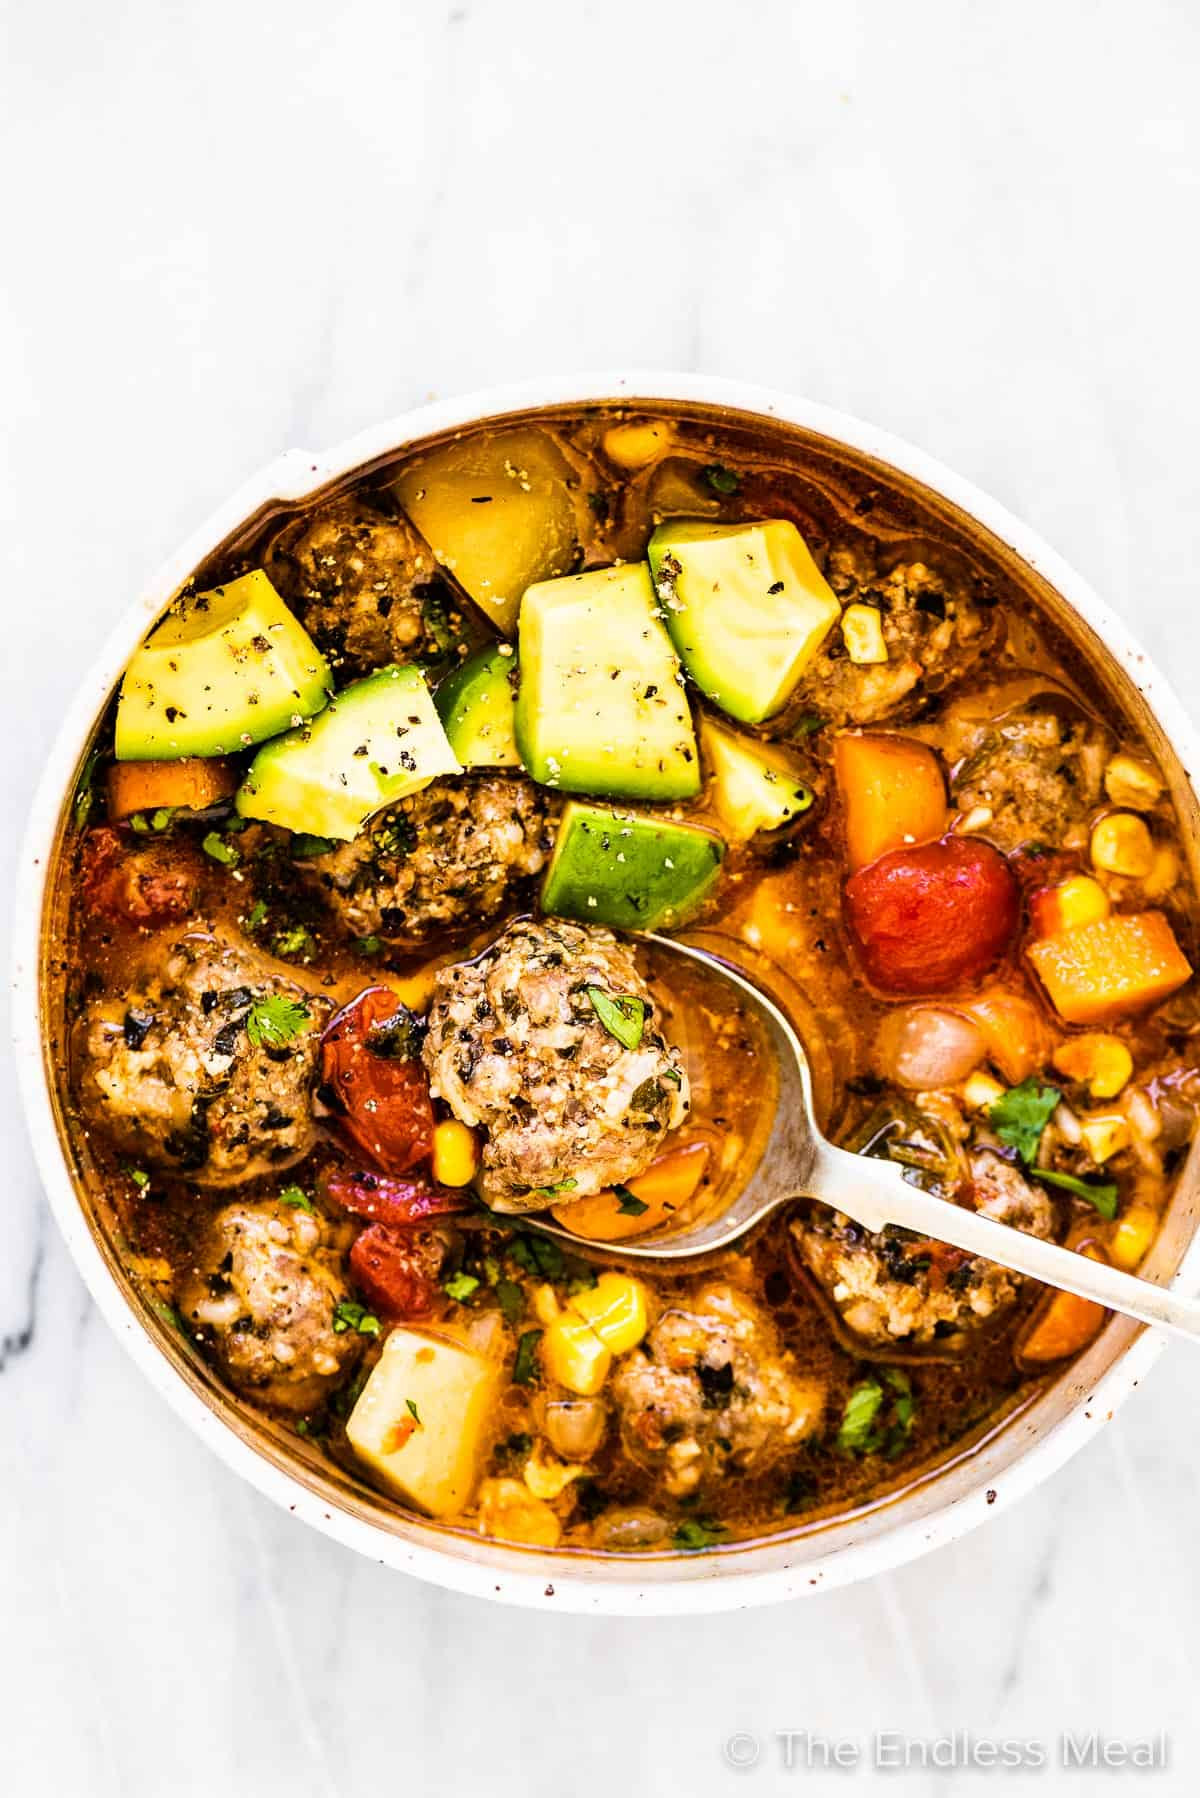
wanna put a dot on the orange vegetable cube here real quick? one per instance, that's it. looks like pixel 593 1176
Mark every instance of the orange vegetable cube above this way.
pixel 1064 1325
pixel 892 793
pixel 664 1188
pixel 1078 900
pixel 1110 968
pixel 192 784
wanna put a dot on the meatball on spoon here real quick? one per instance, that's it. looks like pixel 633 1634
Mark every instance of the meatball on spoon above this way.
pixel 798 1162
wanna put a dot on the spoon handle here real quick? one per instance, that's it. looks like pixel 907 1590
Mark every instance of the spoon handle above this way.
pixel 875 1193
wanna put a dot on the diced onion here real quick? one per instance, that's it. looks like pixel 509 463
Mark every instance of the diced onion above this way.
pixel 575 1426
pixel 923 1047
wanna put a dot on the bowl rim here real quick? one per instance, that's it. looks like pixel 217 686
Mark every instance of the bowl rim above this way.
pixel 518 1576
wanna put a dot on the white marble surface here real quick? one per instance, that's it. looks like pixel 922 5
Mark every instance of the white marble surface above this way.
pixel 242 226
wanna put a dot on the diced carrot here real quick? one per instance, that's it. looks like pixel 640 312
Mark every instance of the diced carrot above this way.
pixel 1111 967
pixel 1073 902
pixel 1017 1037
pixel 1064 1323
pixel 190 784
pixel 666 1185
pixel 892 793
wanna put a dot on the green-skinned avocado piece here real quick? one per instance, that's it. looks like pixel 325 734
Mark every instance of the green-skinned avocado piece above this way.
pixel 377 741
pixel 755 786
pixel 746 606
pixel 600 706
pixel 627 870
pixel 476 705
pixel 224 669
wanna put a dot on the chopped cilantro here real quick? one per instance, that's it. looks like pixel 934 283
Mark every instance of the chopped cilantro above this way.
pixel 510 1296
pixel 350 1315
pixel 275 1020
pixel 1100 1193
pixel 368 945
pixel 1022 1114
pixel 525 1366
pixel 538 1255
pixel 623 1015
pixel 305 847
pixel 258 914
pixel 878 1416
pixel 297 1198
pixel 674 1075
pixel 214 845
pixel 630 1205
pixel 722 480
pixel 411 1407
pixel 858 1418
pixel 807 725
pixel 697 1532
pixel 293 942
pixel 140 1177
pixel 460 1287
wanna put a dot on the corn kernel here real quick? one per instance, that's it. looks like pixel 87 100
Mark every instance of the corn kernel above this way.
pixel 978 818
pixel 1103 1061
pixel 455 1154
pixel 1132 782
pixel 1074 902
pixel 1163 874
pixel 862 633
pixel 508 1510
pixel 1105 1134
pixel 1132 1234
pixel 635 445
pixel 574 1356
pixel 981 1092
pixel 1121 844
pixel 545 1305
pixel 615 1307
pixel 548 1477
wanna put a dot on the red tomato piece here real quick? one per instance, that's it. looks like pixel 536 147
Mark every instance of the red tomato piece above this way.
pixel 925 919
pixel 396 1270
pixel 375 1079
pixel 132 883
pixel 388 1200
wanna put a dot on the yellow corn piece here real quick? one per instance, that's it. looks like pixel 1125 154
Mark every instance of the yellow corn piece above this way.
pixel 635 445
pixel 1163 874
pixel 1130 781
pixel 545 1305
pixel 508 1510
pixel 455 1153
pixel 414 990
pixel 1076 901
pixel 547 1477
pixel 1102 1060
pixel 1105 1134
pixel 615 1307
pixel 862 633
pixel 1122 844
pixel 574 1356
pixel 1132 1234
pixel 980 1091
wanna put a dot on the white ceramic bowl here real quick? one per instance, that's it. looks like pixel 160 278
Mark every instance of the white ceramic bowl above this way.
pixel 944 1505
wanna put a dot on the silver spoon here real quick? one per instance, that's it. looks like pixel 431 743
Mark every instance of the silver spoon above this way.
pixel 799 1163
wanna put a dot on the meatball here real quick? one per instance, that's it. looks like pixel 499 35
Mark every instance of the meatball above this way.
pixel 1037 774
pixel 517 1045
pixel 933 630
pixel 448 857
pixel 364 585
pixel 891 1289
pixel 209 1068
pixel 710 1392
pixel 262 1296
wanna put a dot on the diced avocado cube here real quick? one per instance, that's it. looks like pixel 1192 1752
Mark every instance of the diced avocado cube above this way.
pixel 424 1418
pixel 627 870
pixel 476 705
pixel 499 511
pixel 223 670
pixel 377 741
pixel 746 606
pixel 600 705
pixel 754 785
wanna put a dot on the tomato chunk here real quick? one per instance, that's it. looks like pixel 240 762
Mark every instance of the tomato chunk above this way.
pixel 388 1200
pixel 132 883
pixel 925 919
pixel 374 1079
pixel 396 1270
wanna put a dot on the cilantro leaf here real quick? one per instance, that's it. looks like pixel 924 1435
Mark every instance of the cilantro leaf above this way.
pixel 460 1287
pixel 857 1427
pixel 525 1366
pixel 411 1406
pixel 1022 1114
pixel 297 1198
pixel 697 1532
pixel 293 942
pixel 510 1296
pixel 304 846
pixel 630 1205
pixel 623 1015
pixel 722 480
pixel 258 913
pixel 275 1020
pixel 350 1315
pixel 1100 1193
pixel 214 845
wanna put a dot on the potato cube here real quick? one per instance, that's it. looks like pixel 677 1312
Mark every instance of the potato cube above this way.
pixel 423 1418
